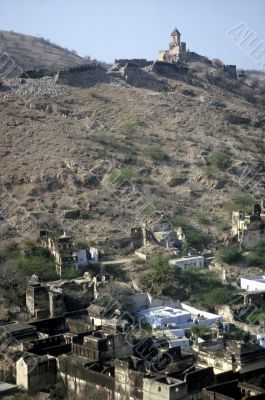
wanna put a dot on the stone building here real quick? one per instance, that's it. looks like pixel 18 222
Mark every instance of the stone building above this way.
pixel 132 377
pixel 177 49
pixel 43 301
pixel 233 390
pixel 61 248
pixel 248 230
pixel 37 298
pixel 36 372
pixel 166 234
pixel 230 356
pixel 96 364
pixel 133 381
pixel 54 299
pixel 160 232
pixel 101 347
pixel 84 379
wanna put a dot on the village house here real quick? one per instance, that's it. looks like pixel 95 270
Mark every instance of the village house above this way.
pixel 186 261
pixel 174 324
pixel 163 316
pixel 253 283
pixel 232 355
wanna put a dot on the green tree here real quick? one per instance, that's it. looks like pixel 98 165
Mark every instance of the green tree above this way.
pixel 229 254
pixel 160 270
pixel 256 257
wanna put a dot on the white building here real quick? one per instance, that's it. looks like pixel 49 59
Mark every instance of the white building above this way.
pixel 184 262
pixel 177 319
pixel 162 316
pixel 175 338
pixel 253 283
pixel 173 323
pixel 200 317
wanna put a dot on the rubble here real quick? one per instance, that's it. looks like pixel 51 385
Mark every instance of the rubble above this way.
pixel 29 88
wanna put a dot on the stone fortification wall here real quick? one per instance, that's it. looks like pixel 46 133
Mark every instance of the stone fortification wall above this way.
pixel 82 76
pixel 140 62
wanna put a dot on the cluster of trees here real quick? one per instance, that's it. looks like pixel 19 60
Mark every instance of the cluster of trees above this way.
pixel 229 254
pixel 256 257
pixel 19 262
pixel 253 258
pixel 201 287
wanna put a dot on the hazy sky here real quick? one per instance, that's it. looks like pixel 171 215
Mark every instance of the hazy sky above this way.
pixel 109 29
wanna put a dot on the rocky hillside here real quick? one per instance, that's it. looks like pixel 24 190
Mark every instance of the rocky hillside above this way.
pixel 31 52
pixel 97 161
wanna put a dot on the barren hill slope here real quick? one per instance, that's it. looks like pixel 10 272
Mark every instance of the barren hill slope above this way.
pixel 31 52
pixel 101 160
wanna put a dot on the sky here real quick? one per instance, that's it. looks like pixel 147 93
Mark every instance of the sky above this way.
pixel 109 29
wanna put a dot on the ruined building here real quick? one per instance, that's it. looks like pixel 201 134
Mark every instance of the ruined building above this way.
pixel 36 372
pixel 179 57
pixel 42 301
pixel 177 49
pixel 99 362
pixel 249 229
pixel 230 356
pixel 54 299
pixel 111 367
pixel 61 248
pixel 159 232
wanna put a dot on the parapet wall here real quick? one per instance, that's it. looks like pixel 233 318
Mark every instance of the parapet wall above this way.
pixel 38 73
pixel 191 56
pixel 81 380
pixel 140 62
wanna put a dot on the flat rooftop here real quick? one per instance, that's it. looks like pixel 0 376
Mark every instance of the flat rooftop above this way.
pixel 256 278
pixel 189 258
pixel 163 312
pixel 195 312
pixel 6 387
pixel 17 327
